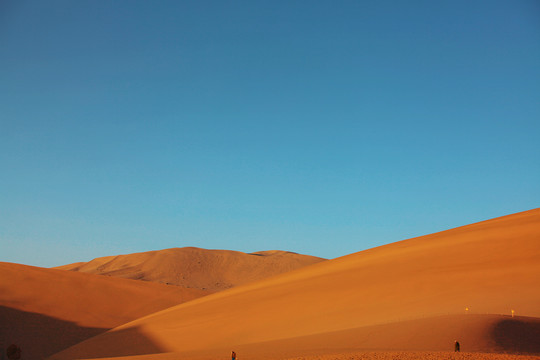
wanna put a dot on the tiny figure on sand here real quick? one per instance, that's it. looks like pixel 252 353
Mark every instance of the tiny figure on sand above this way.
pixel 13 352
pixel 233 356
pixel 456 346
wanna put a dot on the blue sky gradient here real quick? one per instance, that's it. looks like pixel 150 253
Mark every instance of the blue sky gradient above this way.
pixel 319 127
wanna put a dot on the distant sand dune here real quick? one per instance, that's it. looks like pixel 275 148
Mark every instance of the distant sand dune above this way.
pixel 411 294
pixel 196 268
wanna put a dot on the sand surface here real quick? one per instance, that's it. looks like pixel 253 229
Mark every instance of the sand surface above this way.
pixel 410 295
pixel 192 267
pixel 368 355
pixel 46 310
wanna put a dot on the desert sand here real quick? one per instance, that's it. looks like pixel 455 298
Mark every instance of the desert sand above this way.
pixel 192 267
pixel 372 355
pixel 418 295
pixel 365 355
pixel 46 310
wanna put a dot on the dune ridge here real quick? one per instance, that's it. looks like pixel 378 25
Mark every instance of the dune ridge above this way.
pixel 192 267
pixel 491 267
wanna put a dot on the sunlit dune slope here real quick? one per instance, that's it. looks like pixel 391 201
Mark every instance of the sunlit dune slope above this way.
pixel 476 333
pixel 196 268
pixel 489 267
pixel 46 310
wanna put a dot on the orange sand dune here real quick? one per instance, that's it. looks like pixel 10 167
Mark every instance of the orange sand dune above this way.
pixel 46 310
pixel 476 333
pixel 196 268
pixel 491 267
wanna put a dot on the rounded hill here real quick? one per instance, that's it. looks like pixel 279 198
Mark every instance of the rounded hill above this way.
pixel 192 267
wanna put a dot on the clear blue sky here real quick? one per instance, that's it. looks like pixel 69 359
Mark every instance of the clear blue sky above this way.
pixel 320 127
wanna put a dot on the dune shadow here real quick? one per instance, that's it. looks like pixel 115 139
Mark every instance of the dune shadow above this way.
pixel 116 343
pixel 518 335
pixel 39 335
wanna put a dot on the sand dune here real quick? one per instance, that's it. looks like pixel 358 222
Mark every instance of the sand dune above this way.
pixel 372 355
pixel 46 310
pixel 196 268
pixel 477 333
pixel 417 286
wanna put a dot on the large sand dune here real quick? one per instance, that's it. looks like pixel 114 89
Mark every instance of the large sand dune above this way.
pixel 419 287
pixel 401 340
pixel 47 310
pixel 196 268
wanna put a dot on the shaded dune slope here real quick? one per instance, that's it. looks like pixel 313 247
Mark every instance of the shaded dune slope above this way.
pixel 196 268
pixel 489 267
pixel 47 310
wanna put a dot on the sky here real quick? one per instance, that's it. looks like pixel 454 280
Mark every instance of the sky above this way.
pixel 319 127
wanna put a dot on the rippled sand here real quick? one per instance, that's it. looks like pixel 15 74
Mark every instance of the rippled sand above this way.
pixel 409 355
